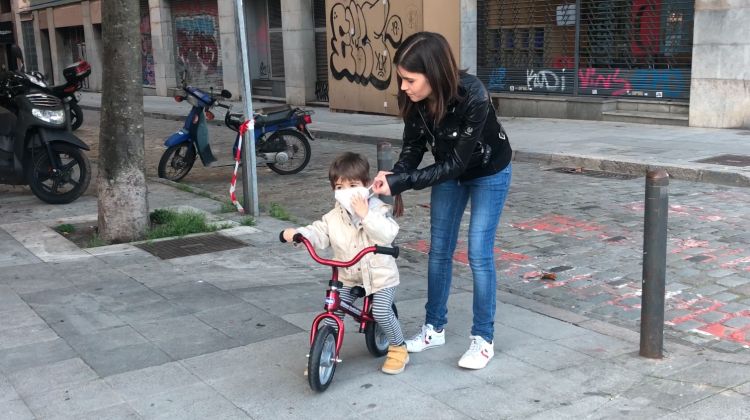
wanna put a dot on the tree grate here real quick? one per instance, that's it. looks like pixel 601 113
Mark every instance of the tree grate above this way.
pixel 728 160
pixel 195 245
pixel 594 173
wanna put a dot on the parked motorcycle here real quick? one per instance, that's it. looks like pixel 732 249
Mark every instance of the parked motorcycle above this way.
pixel 281 136
pixel 36 148
pixel 74 74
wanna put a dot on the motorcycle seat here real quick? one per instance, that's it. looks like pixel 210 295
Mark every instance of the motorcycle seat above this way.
pixel 59 90
pixel 276 115
pixel 7 122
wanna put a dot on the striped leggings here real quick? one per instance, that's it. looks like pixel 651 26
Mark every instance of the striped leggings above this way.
pixel 382 300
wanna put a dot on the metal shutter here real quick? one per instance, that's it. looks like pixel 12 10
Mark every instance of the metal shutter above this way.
pixel 147 54
pixel 197 43
pixel 627 48
pixel 29 46
pixel 276 39
pixel 321 51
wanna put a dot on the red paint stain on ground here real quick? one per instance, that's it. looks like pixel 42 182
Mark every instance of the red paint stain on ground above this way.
pixel 558 224
pixel 683 245
pixel 739 335
pixel 461 255
pixel 718 329
pixel 744 261
pixel 679 210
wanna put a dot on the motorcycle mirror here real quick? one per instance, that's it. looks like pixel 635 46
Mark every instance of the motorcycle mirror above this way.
pixel 226 94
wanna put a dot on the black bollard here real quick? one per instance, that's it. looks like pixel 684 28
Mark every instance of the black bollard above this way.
pixel 385 163
pixel 654 263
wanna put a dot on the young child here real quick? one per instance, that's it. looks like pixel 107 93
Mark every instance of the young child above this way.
pixel 357 222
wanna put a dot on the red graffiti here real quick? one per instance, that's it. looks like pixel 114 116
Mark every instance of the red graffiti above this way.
pixel 591 78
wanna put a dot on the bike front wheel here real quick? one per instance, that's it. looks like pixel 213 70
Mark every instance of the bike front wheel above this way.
pixel 59 186
pixel 376 338
pixel 177 161
pixel 321 364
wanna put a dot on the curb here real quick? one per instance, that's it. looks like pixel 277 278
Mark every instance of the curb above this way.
pixel 709 176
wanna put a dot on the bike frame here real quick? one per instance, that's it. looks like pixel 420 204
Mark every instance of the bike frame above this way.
pixel 333 300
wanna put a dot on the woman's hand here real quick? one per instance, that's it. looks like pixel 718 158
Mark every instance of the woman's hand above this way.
pixel 380 184
pixel 289 234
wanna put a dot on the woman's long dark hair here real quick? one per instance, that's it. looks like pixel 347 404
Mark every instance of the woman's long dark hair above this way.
pixel 430 54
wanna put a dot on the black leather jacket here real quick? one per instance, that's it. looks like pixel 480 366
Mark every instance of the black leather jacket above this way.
pixel 459 143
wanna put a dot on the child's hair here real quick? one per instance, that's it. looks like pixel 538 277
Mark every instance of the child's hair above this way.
pixel 349 166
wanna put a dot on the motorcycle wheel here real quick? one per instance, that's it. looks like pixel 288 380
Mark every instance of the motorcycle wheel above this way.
pixel 375 338
pixel 65 186
pixel 177 161
pixel 76 116
pixel 321 364
pixel 298 149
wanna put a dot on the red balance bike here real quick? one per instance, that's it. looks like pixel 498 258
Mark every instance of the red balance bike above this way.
pixel 325 340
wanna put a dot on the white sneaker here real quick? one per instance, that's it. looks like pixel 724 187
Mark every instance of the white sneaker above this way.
pixel 479 354
pixel 427 338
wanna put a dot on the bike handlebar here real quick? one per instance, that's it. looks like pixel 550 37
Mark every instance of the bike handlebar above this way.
pixel 377 249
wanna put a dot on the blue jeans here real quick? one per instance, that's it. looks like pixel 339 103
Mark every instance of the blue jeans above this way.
pixel 447 205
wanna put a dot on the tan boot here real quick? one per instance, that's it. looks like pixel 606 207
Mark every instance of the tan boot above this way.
pixel 396 360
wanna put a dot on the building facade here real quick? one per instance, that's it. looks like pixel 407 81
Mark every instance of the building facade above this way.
pixel 589 59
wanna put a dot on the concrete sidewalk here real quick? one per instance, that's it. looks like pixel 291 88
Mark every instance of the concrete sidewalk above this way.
pixel 599 145
pixel 115 332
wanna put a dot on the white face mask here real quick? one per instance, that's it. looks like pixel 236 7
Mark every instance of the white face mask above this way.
pixel 344 196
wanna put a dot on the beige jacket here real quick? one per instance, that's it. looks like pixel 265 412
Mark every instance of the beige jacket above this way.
pixel 346 238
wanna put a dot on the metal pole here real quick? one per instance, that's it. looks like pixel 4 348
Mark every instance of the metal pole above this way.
pixel 654 264
pixel 249 173
pixel 577 48
pixel 385 163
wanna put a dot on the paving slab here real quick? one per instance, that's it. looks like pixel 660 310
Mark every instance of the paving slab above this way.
pixel 73 401
pixel 116 350
pixel 143 383
pixel 45 378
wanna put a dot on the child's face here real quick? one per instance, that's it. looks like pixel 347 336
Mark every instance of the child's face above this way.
pixel 347 183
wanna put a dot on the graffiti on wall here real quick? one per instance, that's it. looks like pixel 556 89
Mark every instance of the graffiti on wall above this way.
pixel 656 83
pixel 147 55
pixel 364 36
pixel 196 30
pixel 549 80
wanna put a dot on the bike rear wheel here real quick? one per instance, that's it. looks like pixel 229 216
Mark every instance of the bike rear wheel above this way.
pixel 297 148
pixel 321 365
pixel 177 161
pixel 375 337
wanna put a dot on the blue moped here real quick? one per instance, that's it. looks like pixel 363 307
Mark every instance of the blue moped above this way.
pixel 281 136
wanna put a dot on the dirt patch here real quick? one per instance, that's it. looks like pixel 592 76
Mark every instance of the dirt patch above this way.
pixel 84 235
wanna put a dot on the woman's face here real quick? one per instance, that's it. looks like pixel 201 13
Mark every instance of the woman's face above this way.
pixel 415 85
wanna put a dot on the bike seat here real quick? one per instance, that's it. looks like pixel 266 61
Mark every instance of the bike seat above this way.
pixel 7 122
pixel 358 291
pixel 273 115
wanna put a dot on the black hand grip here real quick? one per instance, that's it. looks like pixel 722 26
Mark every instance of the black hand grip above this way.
pixel 387 250
pixel 297 237
pixel 281 237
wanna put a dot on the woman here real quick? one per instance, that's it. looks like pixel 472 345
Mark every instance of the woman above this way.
pixel 449 112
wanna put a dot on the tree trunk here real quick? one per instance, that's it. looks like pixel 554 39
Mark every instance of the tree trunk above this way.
pixel 123 209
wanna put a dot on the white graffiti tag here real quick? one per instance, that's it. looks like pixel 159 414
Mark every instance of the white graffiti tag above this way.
pixel 546 80
pixel 363 38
